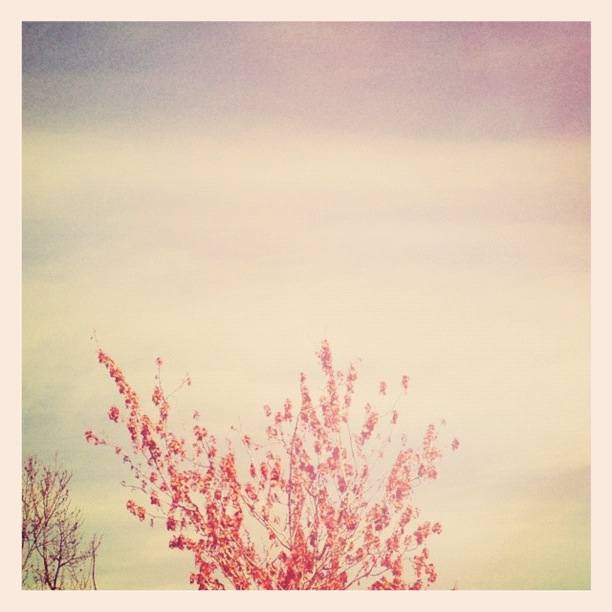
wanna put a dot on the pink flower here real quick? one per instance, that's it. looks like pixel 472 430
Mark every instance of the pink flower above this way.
pixel 91 437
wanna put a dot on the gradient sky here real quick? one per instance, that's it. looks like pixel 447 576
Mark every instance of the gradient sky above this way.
pixel 225 195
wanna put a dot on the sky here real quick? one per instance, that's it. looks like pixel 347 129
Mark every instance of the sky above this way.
pixel 226 195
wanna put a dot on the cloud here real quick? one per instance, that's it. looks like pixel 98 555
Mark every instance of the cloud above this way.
pixel 461 80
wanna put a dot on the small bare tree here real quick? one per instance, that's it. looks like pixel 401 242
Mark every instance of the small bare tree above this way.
pixel 53 554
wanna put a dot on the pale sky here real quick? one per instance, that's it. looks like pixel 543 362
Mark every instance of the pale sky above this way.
pixel 225 195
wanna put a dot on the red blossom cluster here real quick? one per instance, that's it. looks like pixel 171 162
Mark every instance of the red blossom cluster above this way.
pixel 136 510
pixel 330 515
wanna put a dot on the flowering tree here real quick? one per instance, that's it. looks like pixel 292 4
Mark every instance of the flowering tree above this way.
pixel 312 507
pixel 53 555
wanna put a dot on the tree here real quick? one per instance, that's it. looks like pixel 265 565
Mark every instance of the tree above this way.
pixel 314 507
pixel 52 552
